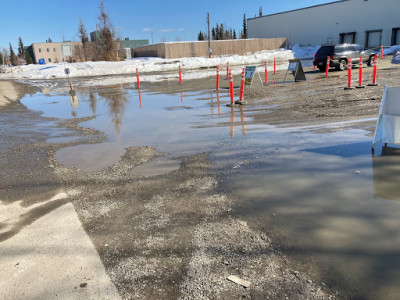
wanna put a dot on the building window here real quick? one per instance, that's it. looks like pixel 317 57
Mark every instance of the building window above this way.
pixel 395 36
pixel 48 50
pixel 373 39
pixel 54 49
pixel 49 59
pixel 347 38
pixel 40 50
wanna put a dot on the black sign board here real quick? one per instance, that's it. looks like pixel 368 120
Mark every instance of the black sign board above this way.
pixel 297 70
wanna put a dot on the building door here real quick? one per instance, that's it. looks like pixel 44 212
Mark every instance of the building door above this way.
pixel 395 36
pixel 373 39
pixel 347 38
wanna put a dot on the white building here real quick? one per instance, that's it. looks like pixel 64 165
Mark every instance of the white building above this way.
pixel 369 23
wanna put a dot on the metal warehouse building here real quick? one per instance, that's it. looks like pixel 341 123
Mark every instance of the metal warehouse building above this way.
pixel 366 22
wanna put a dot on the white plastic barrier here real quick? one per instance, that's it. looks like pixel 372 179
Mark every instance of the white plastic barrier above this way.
pixel 388 126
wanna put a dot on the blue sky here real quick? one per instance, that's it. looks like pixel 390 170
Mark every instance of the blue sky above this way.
pixel 36 21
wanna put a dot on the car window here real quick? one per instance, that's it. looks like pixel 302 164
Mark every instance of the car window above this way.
pixel 340 49
pixel 351 48
pixel 325 51
pixel 358 48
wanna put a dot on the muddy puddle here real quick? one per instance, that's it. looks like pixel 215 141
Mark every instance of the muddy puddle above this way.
pixel 317 189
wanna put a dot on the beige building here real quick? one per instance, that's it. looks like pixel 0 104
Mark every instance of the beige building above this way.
pixel 54 52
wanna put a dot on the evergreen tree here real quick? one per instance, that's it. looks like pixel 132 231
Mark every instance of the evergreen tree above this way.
pixel 234 34
pixel 260 11
pixel 221 32
pixel 230 34
pixel 244 34
pixel 1 59
pixel 13 57
pixel 21 50
pixel 200 36
pixel 28 58
pixel 217 35
pixel 213 33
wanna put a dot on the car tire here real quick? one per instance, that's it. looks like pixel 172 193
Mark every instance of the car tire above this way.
pixel 342 65
pixel 370 61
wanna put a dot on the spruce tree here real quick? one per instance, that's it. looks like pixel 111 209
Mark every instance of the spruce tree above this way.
pixel 13 57
pixel 213 33
pixel 221 32
pixel 260 11
pixel 217 32
pixel 234 34
pixel 21 50
pixel 200 36
pixel 28 58
pixel 244 35
pixel 1 59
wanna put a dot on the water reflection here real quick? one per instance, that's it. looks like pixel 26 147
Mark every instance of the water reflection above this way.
pixel 93 103
pixel 386 172
pixel 232 121
pixel 116 102
pixel 140 99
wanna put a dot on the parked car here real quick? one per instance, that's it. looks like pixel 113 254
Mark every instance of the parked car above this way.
pixel 339 55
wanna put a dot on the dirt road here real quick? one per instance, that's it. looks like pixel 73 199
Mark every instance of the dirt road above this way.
pixel 173 235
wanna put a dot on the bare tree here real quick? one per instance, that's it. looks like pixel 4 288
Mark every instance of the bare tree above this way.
pixel 107 45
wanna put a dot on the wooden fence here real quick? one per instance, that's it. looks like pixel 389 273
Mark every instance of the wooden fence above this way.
pixel 195 49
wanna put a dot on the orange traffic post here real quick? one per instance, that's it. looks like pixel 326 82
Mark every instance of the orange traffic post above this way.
pixel 314 60
pixel 240 101
pixel 227 70
pixel 360 74
pixel 137 78
pixel 180 74
pixel 349 87
pixel 266 73
pixel 274 65
pixel 232 104
pixel 328 61
pixel 381 51
pixel 217 88
pixel 374 72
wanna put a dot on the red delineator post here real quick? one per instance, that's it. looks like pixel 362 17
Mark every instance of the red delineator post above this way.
pixel 242 87
pixel 227 70
pixel 266 74
pixel 137 78
pixel 217 88
pixel 381 51
pixel 180 74
pixel 375 71
pixel 348 75
pixel 328 61
pixel 314 60
pixel 231 90
pixel 274 65
pixel 360 74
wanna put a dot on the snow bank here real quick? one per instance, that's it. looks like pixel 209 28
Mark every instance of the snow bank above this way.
pixel 157 66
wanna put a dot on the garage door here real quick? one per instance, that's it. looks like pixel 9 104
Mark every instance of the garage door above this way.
pixel 396 36
pixel 373 39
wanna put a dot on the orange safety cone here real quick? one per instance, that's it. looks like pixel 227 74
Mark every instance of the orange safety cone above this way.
pixel 240 101
pixel 349 87
pixel 328 61
pixel 360 74
pixel 232 104
pixel 374 72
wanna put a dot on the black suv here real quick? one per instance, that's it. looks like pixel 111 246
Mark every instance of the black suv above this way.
pixel 339 55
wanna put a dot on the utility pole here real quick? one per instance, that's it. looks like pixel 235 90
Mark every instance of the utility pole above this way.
pixel 209 42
